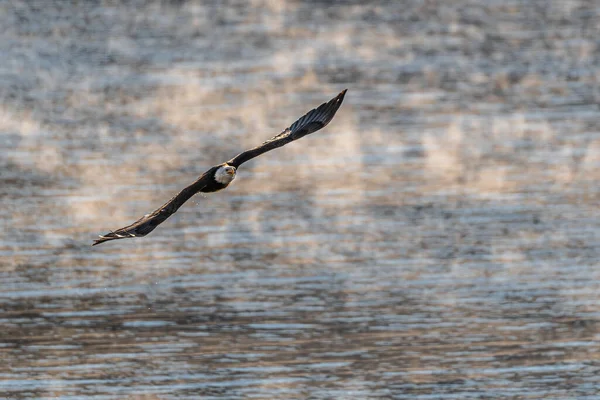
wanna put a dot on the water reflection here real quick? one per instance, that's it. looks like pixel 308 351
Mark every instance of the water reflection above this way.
pixel 437 240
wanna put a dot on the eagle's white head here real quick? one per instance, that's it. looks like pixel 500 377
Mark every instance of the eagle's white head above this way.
pixel 225 174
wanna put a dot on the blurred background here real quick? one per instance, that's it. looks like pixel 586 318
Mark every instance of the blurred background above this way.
pixel 439 239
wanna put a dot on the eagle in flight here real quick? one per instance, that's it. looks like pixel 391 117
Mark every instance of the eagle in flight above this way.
pixel 220 176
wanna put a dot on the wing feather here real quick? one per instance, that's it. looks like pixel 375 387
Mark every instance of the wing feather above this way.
pixel 148 222
pixel 310 122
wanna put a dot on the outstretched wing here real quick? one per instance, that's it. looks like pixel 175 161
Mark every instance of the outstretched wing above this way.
pixel 311 122
pixel 148 222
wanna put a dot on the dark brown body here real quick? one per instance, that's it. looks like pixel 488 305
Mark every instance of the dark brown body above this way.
pixel 212 185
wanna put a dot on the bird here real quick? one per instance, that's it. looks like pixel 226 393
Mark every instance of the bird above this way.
pixel 220 176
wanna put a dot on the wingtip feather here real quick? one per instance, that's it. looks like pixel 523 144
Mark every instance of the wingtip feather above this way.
pixel 101 240
pixel 112 236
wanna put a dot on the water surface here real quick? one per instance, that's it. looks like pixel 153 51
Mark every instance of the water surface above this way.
pixel 439 239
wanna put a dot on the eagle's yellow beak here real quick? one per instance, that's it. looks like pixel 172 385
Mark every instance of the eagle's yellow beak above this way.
pixel 230 171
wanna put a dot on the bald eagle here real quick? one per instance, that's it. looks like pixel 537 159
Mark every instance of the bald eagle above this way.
pixel 220 176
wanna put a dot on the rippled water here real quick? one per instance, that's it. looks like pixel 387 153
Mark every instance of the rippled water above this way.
pixel 439 239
